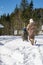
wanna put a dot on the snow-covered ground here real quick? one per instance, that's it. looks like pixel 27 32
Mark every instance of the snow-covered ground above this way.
pixel 15 51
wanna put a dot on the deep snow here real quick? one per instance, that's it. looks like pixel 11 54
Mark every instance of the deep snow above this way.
pixel 15 51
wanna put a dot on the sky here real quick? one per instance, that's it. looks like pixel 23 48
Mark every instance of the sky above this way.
pixel 8 6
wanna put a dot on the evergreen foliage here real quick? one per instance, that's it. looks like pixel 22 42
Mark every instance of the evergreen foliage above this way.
pixel 19 18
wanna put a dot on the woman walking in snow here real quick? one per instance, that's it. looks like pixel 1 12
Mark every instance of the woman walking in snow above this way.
pixel 30 31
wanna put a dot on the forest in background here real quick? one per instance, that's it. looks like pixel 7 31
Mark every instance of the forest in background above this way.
pixel 19 18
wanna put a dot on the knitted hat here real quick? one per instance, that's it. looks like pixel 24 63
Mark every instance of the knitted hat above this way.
pixel 31 20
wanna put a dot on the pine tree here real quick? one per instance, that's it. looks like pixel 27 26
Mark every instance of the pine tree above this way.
pixel 16 9
pixel 24 5
pixel 31 9
pixel 31 5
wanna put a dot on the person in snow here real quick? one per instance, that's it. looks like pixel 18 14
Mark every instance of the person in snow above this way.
pixel 30 31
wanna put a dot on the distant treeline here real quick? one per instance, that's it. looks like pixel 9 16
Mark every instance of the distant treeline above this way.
pixel 19 18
